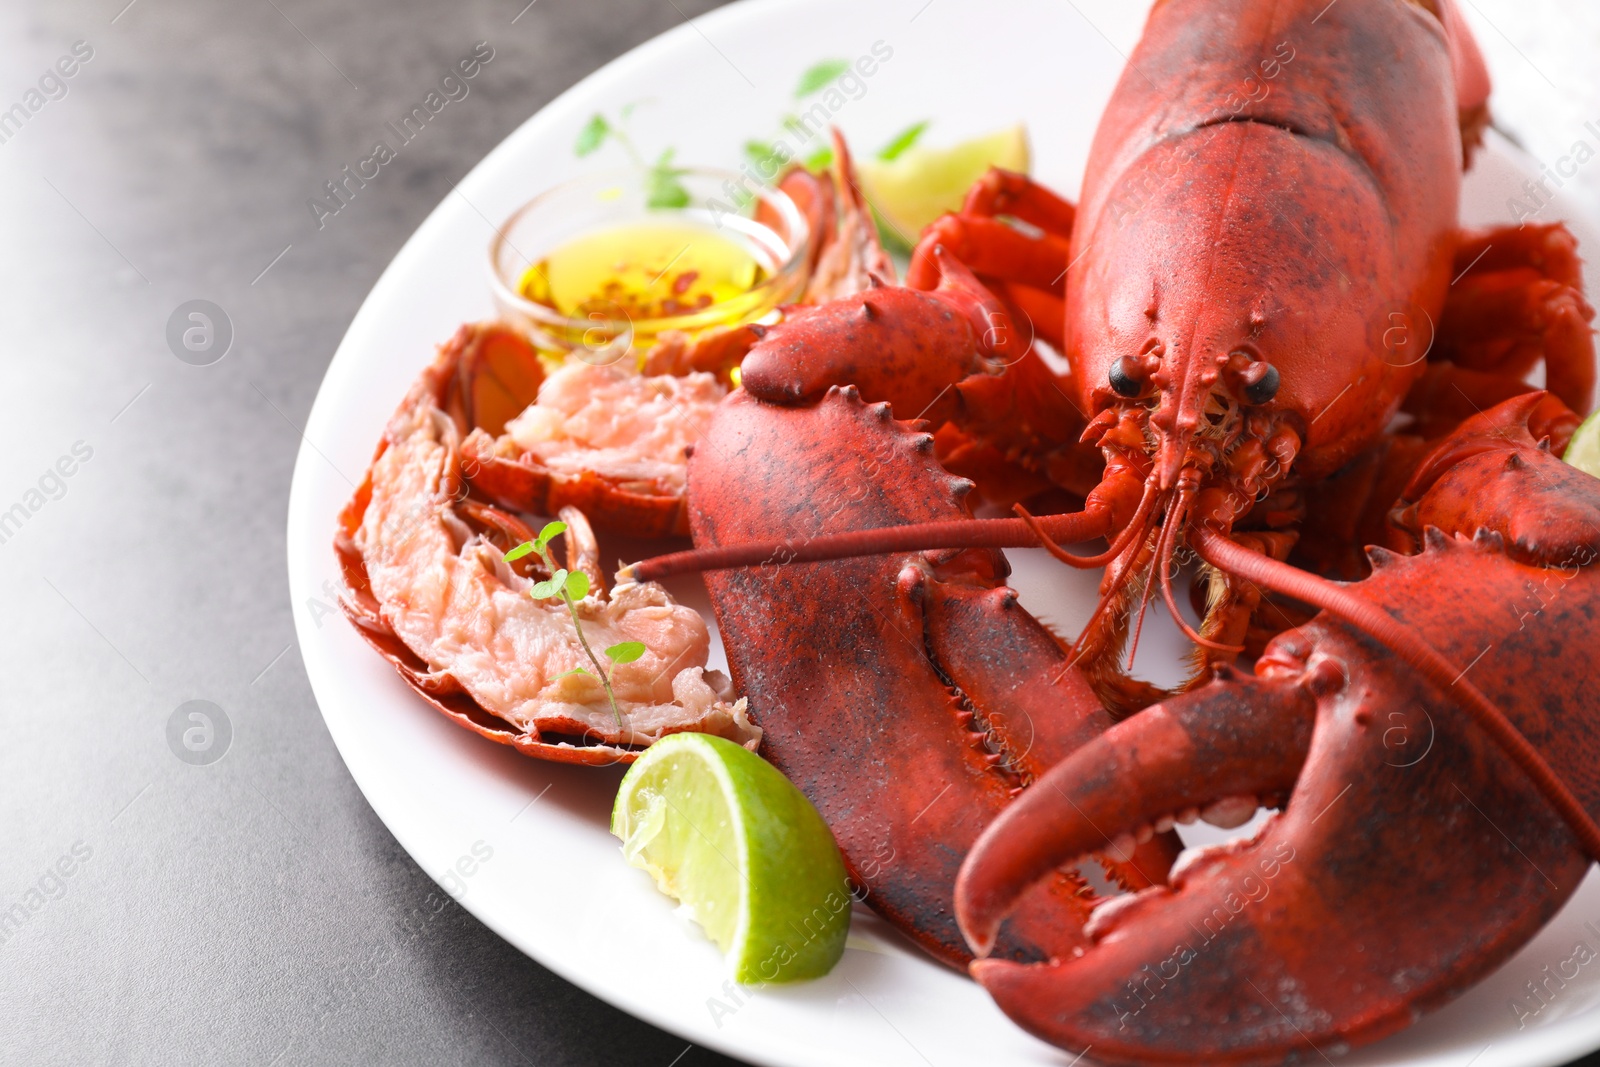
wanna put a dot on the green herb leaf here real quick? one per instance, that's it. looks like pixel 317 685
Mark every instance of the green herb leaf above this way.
pixel 518 552
pixel 574 670
pixel 626 652
pixel 546 590
pixel 551 531
pixel 577 585
pixel 819 76
pixel 593 135
pixel 666 193
pixel 760 154
pixel 663 189
pixel 821 159
pixel 902 141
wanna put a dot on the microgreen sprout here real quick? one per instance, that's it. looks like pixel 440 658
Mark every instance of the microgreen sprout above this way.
pixel 571 587
pixel 769 156
pixel 903 141
pixel 819 76
pixel 663 187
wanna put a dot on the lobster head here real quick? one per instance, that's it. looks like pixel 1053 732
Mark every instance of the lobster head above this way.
pixel 1254 264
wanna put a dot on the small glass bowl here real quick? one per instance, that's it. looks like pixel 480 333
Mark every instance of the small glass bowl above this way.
pixel 764 220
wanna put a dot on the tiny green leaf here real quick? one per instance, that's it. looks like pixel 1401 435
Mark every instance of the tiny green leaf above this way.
pixel 821 159
pixel 547 589
pixel 551 531
pixel 626 652
pixel 819 76
pixel 593 135
pixel 667 194
pixel 577 585
pixel 574 670
pixel 902 141
pixel 663 189
pixel 518 552
pixel 666 191
pixel 759 153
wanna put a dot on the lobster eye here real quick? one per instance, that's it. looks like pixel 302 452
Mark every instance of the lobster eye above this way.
pixel 1265 385
pixel 1125 378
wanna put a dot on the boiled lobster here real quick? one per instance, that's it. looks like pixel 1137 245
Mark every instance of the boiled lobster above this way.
pixel 1268 222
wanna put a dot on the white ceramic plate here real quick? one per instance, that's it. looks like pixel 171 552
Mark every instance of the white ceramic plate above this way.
pixel 553 883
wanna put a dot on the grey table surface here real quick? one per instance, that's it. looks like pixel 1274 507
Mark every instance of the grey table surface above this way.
pixel 254 910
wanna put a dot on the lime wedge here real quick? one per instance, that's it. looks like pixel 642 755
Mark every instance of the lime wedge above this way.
pixel 1584 451
pixel 727 835
pixel 920 184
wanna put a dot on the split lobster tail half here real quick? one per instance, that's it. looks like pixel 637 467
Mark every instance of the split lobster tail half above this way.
pixel 422 554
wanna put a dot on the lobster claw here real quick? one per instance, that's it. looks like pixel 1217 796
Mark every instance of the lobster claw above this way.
pixel 1170 758
pixel 1407 863
pixel 1411 856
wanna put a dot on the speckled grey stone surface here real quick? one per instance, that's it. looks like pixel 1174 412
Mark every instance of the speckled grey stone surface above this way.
pixel 253 909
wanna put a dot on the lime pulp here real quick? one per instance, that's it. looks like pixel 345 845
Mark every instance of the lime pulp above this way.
pixel 729 837
pixel 921 184
pixel 1584 451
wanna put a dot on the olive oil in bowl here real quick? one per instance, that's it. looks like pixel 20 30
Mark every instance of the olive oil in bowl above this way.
pixel 595 269
pixel 648 270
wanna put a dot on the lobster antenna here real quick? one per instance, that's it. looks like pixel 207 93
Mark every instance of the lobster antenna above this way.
pixel 1233 558
pixel 913 537
pixel 1140 516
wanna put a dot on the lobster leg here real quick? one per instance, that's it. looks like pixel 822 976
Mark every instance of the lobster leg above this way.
pixel 1027 270
pixel 1351 508
pixel 1005 192
pixel 1518 298
pixel 1409 851
pixel 905 693
pixel 1448 394
pixel 995 249
pixel 948 354
pixel 905 346
pixel 1020 436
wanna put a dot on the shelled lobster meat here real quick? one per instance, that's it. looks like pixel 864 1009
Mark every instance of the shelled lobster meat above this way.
pixel 1264 271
